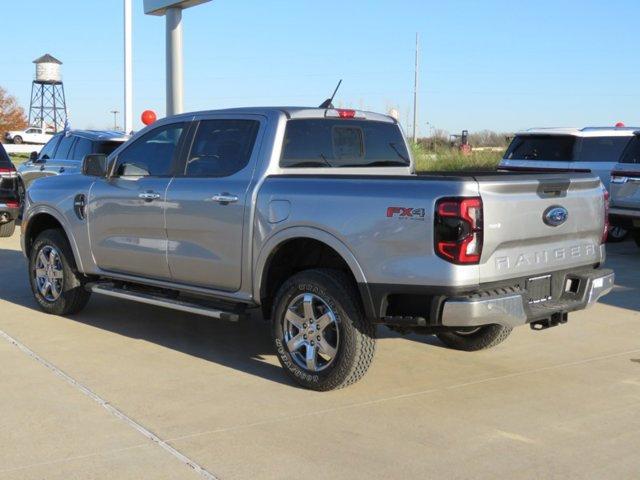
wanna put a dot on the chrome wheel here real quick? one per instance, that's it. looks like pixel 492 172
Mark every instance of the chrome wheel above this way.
pixel 311 332
pixel 49 273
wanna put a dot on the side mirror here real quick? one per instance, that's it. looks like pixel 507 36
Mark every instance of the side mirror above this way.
pixel 95 165
pixel 33 156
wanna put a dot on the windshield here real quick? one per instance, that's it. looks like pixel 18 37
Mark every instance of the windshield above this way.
pixel 107 147
pixel 343 143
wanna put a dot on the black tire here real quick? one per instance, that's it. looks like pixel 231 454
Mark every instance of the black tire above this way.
pixel 617 234
pixel 355 349
pixel 72 297
pixel 484 337
pixel 17 140
pixel 7 229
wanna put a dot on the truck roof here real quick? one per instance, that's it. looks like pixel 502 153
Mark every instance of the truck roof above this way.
pixel 295 112
pixel 101 135
pixel 583 132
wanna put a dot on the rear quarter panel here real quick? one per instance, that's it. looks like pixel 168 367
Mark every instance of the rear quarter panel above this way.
pixel 354 212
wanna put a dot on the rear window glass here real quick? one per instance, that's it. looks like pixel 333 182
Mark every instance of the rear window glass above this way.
pixel 632 152
pixel 4 158
pixel 557 148
pixel 106 147
pixel 343 143
pixel 600 149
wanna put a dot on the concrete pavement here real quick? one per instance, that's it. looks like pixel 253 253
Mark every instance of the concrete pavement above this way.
pixel 562 403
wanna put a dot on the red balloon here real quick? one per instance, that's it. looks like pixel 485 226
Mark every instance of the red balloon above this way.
pixel 620 125
pixel 148 117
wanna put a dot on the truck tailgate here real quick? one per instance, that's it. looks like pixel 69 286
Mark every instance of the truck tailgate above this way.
pixel 524 231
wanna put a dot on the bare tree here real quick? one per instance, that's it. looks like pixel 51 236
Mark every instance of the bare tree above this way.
pixel 12 115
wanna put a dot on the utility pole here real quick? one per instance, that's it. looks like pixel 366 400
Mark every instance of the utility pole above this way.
pixel 415 96
pixel 115 119
pixel 128 67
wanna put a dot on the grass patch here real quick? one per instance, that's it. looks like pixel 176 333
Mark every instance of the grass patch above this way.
pixel 18 158
pixel 451 159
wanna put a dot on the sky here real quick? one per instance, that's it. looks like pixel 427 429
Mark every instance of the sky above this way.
pixel 493 64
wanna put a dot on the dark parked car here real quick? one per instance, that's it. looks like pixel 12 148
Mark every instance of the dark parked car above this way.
pixel 63 154
pixel 9 203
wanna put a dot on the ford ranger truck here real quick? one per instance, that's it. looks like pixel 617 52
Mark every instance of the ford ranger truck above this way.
pixel 317 218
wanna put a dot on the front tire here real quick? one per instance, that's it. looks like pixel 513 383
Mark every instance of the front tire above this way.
pixel 7 229
pixel 480 338
pixel 323 339
pixel 56 284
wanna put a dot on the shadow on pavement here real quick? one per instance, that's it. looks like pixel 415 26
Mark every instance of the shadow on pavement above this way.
pixel 238 345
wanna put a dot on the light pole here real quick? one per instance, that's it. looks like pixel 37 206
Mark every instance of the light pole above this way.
pixel 172 10
pixel 115 119
pixel 128 68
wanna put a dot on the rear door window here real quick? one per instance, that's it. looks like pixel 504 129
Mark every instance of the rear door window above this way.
pixel 558 148
pixel 64 149
pixel 82 148
pixel 600 149
pixel 221 147
pixel 343 143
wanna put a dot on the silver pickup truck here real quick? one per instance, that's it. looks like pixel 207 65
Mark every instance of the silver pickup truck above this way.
pixel 316 217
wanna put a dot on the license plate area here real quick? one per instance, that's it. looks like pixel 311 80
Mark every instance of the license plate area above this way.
pixel 539 289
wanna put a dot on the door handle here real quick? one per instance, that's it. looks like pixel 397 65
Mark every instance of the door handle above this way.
pixel 41 168
pixel 224 198
pixel 149 196
pixel 61 170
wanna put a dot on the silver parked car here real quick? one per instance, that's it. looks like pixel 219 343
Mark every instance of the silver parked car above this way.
pixel 625 190
pixel 590 149
pixel 63 154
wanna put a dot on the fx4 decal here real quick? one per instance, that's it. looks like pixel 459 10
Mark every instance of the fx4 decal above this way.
pixel 406 213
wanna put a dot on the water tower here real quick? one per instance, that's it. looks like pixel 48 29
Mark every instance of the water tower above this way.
pixel 48 106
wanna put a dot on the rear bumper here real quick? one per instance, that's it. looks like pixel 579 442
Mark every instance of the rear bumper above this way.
pixel 512 310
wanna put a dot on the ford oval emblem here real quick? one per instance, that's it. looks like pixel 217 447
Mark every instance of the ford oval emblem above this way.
pixel 555 216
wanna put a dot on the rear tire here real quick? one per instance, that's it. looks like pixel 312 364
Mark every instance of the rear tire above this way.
pixel 56 284
pixel 17 140
pixel 323 339
pixel 7 229
pixel 617 234
pixel 479 339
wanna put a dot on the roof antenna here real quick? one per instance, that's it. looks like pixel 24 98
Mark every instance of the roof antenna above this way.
pixel 328 103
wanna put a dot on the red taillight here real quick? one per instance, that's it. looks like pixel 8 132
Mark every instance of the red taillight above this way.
pixel 346 113
pixel 12 204
pixel 605 233
pixel 8 172
pixel 458 230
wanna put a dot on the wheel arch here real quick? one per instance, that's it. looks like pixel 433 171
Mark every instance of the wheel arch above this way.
pixel 322 250
pixel 46 219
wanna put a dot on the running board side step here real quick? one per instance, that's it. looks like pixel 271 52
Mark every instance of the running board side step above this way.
pixel 141 297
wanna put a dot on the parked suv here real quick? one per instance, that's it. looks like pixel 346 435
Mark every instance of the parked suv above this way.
pixel 63 154
pixel 9 205
pixel 590 149
pixel 625 189
pixel 31 135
